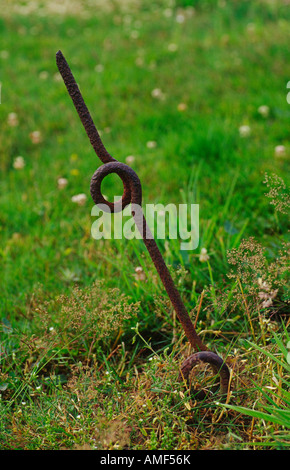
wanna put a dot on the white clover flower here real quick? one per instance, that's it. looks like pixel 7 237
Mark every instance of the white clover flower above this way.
pixel 172 47
pixel 151 144
pixel 180 18
pixel 203 257
pixel 264 110
pixel 244 131
pixel 140 275
pixel 35 137
pixel 19 163
pixel 12 119
pixel 157 93
pixel 62 183
pixel 99 68
pixel 280 151
pixel 43 75
pixel 57 77
pixel 130 159
pixel 79 199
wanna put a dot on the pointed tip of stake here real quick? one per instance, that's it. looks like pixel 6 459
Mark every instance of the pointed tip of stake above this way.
pixel 59 57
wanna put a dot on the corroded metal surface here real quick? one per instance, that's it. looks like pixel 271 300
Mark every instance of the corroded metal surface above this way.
pixel 133 194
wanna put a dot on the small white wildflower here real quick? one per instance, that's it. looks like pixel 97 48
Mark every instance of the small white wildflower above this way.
pixel 99 68
pixel 62 183
pixel 51 328
pixel 157 93
pixel 203 255
pixel 140 275
pixel 130 159
pixel 180 18
pixel 79 199
pixel 263 284
pixel 151 144
pixel 264 110
pixel 35 137
pixel 43 75
pixel 57 77
pixel 244 131
pixel 19 163
pixel 172 47
pixel 12 119
pixel 280 151
pixel 78 416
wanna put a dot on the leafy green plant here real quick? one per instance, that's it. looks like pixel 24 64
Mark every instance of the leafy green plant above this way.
pixel 272 407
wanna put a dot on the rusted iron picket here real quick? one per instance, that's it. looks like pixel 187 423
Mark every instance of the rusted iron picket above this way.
pixel 133 194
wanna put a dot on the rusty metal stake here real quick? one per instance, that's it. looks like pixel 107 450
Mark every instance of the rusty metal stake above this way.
pixel 133 194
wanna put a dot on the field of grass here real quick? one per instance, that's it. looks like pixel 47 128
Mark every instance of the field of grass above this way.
pixel 195 93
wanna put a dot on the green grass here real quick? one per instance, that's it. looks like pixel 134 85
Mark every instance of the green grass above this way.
pixel 227 60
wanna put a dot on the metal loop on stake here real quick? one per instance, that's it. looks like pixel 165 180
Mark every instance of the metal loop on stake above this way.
pixel 133 194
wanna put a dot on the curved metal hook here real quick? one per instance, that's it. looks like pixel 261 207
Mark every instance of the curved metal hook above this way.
pixel 133 194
